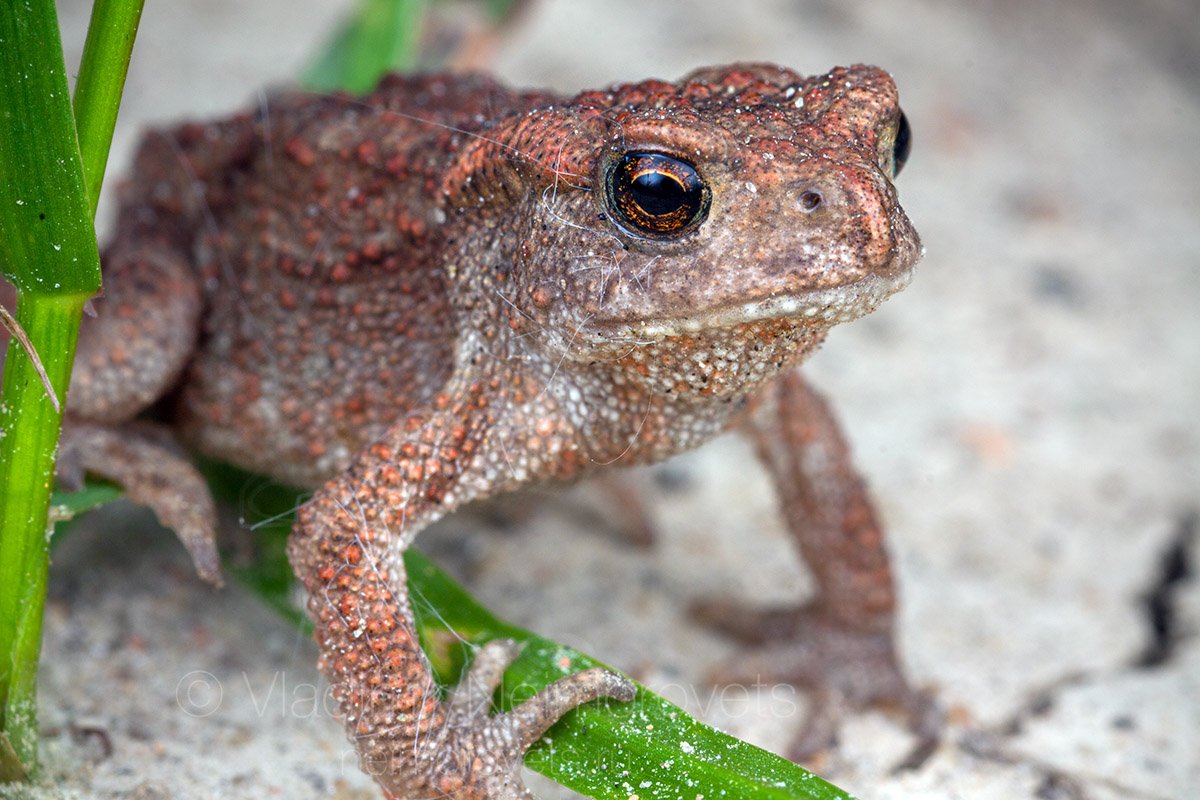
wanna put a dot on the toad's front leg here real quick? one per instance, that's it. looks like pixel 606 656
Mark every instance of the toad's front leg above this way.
pixel 347 547
pixel 840 645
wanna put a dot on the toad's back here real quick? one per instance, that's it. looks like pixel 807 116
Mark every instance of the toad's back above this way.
pixel 315 229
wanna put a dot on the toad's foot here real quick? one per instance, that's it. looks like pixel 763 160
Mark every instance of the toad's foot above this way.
pixel 479 757
pixel 148 466
pixel 844 670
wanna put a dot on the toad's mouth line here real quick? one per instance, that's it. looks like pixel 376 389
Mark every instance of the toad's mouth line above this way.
pixel 819 308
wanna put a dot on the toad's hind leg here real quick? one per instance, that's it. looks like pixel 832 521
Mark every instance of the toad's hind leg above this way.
pixel 143 333
pixel 840 645
pixel 130 353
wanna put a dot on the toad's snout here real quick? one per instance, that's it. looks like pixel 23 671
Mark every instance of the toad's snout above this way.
pixel 851 217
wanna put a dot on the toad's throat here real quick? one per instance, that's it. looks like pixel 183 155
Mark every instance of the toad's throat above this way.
pixel 819 308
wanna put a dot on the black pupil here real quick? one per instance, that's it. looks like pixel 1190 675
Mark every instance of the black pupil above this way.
pixel 902 145
pixel 658 193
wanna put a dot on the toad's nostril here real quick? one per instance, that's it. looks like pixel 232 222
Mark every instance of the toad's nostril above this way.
pixel 811 200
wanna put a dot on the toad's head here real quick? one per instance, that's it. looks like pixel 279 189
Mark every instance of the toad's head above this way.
pixel 699 236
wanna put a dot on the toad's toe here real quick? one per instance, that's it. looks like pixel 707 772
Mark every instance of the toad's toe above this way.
pixel 478 756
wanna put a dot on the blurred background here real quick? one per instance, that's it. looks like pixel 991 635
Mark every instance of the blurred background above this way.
pixel 1027 413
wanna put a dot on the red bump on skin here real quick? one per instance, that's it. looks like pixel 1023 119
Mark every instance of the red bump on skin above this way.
pixel 541 297
pixel 372 250
pixel 288 300
pixel 367 152
pixel 299 151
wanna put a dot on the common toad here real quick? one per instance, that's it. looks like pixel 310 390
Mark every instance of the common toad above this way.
pixel 449 289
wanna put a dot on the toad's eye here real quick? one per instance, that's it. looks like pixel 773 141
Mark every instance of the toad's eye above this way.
pixel 656 195
pixel 902 145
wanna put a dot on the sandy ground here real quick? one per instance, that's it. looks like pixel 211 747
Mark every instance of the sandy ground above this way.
pixel 1026 412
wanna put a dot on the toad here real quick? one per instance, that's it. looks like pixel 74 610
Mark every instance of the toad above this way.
pixel 448 290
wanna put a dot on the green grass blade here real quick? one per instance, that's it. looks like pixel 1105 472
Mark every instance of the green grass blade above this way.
pixel 382 37
pixel 48 251
pixel 30 425
pixel 613 751
pixel 102 69
pixel 47 244
pixel 68 505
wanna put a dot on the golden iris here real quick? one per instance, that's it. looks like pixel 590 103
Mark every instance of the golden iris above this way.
pixel 657 195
